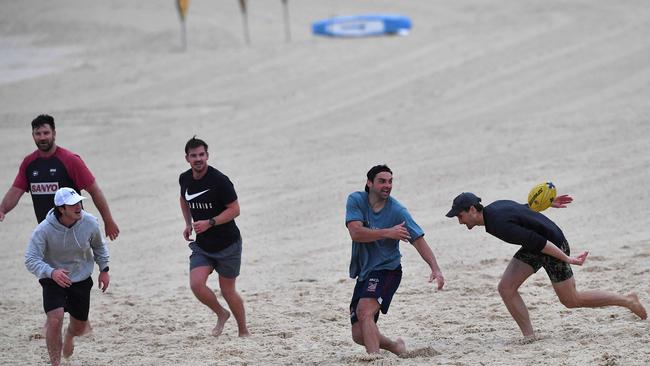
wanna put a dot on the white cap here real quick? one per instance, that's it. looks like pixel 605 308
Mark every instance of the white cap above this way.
pixel 67 196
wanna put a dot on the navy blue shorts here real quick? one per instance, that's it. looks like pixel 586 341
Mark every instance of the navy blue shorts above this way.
pixel 380 285
pixel 75 300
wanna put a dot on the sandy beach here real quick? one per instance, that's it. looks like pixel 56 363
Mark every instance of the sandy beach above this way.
pixel 491 97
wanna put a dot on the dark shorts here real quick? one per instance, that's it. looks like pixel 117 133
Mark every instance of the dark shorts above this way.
pixel 380 285
pixel 557 270
pixel 226 262
pixel 74 300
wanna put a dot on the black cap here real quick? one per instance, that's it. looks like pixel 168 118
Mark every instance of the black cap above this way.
pixel 463 202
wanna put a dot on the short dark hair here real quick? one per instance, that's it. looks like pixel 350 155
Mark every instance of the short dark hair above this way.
pixel 193 143
pixel 478 207
pixel 372 173
pixel 42 120
pixel 57 213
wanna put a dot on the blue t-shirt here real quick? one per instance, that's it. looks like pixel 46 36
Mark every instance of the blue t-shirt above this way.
pixel 380 254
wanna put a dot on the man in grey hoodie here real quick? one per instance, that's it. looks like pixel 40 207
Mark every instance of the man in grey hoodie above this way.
pixel 61 253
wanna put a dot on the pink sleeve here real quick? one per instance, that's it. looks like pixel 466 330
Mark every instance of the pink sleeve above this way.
pixel 77 169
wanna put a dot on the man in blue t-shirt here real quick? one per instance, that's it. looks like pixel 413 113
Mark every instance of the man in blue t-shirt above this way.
pixel 542 245
pixel 377 222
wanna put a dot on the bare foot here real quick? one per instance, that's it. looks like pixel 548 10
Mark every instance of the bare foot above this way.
pixel 88 330
pixel 636 307
pixel 68 344
pixel 221 321
pixel 244 333
pixel 400 346
pixel 528 339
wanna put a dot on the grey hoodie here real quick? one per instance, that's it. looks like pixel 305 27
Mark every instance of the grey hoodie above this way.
pixel 53 245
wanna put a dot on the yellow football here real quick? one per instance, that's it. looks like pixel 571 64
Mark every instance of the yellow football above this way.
pixel 541 196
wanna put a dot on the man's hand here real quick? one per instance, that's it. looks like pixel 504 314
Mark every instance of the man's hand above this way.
pixel 111 229
pixel 60 276
pixel 579 259
pixel 187 232
pixel 562 201
pixel 399 232
pixel 201 226
pixel 104 279
pixel 438 277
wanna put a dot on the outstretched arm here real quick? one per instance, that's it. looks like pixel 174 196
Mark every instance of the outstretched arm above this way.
pixel 112 231
pixel 362 234
pixel 553 251
pixel 427 254
pixel 10 201
pixel 562 201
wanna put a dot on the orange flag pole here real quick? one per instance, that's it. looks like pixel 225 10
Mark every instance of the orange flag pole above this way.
pixel 244 14
pixel 182 6
pixel 287 25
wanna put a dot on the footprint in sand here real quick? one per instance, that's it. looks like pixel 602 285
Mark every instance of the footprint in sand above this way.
pixel 420 352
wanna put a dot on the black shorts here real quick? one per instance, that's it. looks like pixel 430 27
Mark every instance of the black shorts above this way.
pixel 557 270
pixel 74 300
pixel 380 285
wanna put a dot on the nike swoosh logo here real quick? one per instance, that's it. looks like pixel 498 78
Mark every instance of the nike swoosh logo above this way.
pixel 189 197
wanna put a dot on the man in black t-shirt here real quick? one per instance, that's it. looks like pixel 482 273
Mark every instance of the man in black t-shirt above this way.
pixel 209 206
pixel 542 245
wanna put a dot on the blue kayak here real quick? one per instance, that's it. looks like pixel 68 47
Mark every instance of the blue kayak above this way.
pixel 362 25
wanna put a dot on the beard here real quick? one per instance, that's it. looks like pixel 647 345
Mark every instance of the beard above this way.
pixel 45 146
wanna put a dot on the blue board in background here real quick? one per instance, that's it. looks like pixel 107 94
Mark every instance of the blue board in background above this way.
pixel 363 25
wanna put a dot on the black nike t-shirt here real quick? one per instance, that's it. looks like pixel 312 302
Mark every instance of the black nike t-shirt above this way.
pixel 207 197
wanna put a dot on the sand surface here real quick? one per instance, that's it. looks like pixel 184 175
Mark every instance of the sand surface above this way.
pixel 484 96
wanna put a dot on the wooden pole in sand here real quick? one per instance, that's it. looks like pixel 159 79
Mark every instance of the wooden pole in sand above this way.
pixel 244 14
pixel 287 25
pixel 182 6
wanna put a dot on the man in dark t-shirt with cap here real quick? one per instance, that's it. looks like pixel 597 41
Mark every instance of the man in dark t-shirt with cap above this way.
pixel 542 245
pixel 209 206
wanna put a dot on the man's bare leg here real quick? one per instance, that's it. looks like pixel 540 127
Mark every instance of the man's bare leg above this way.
pixel 89 328
pixel 636 307
pixel 366 330
pixel 235 303
pixel 572 298
pixel 76 328
pixel 198 279
pixel 53 335
pixel 514 276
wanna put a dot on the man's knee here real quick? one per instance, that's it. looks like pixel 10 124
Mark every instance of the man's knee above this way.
pixel 229 293
pixel 197 286
pixel 55 316
pixel 506 289
pixel 570 301
pixel 77 328
pixel 357 337
pixel 228 287
pixel 198 282
pixel 367 309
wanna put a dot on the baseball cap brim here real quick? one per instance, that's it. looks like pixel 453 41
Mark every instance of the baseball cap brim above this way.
pixel 454 212
pixel 73 200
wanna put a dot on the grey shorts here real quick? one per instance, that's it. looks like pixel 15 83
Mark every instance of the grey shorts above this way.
pixel 557 270
pixel 226 262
